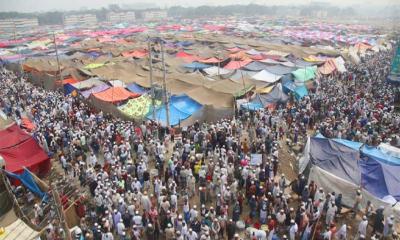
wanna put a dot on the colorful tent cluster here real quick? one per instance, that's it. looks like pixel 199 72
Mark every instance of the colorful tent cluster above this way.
pixel 20 150
pixel 344 166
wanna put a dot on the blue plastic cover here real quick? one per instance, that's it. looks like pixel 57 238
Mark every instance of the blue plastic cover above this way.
pixel 196 66
pixel 27 179
pixel 180 108
pixel 380 179
pixel 336 158
pixel 185 104
pixel 300 92
pixel 347 143
pixel 252 106
pixel 378 155
pixel 288 84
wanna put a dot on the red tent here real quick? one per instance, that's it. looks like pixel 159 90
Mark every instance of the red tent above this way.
pixel 21 150
pixel 12 135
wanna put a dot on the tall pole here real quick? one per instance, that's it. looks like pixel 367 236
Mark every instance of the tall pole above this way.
pixel 219 64
pixel 58 61
pixel 166 100
pixel 60 212
pixel 151 79
pixel 18 49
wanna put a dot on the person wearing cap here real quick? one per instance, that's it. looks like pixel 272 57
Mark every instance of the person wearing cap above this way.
pixel 330 213
pixel 388 228
pixel 215 229
pixel 362 227
pixel 191 235
pixel 150 232
pixel 169 232
pixel 293 229
pixel 281 217
pixel 357 203
pixel 120 229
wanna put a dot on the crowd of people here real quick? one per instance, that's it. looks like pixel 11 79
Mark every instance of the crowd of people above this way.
pixel 147 181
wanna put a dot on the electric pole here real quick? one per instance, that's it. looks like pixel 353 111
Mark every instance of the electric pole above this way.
pixel 58 61
pixel 166 99
pixel 151 79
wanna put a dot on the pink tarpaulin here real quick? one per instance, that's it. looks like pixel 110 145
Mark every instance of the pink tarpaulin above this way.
pixel 232 65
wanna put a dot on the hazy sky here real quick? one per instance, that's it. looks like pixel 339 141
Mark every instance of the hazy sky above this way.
pixel 45 5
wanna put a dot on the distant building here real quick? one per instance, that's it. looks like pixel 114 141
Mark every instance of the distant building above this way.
pixel 18 24
pixel 118 17
pixel 153 15
pixel 80 20
pixel 319 13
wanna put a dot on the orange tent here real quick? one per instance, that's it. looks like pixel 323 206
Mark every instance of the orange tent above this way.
pixel 135 54
pixel 328 67
pixel 239 55
pixel 70 80
pixel 115 94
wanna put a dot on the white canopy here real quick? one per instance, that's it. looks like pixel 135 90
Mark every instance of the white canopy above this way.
pixel 266 76
pixel 213 71
pixel 117 83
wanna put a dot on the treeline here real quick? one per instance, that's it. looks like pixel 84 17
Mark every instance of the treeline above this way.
pixel 255 9
pixel 56 17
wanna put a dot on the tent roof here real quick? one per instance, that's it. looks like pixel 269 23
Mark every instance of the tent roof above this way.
pixel 304 74
pixel 266 76
pixel 95 89
pixel 88 83
pixel 336 158
pixel 12 135
pixel 25 154
pixel 232 65
pixel 115 94
pixel 207 96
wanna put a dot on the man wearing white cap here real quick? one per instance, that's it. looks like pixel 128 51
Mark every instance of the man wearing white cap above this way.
pixel 293 230
pixel 191 235
pixel 362 227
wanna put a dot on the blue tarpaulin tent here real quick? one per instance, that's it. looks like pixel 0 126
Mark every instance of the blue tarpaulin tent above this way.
pixel 380 179
pixel 288 84
pixel 68 89
pixel 180 108
pixel 336 158
pixel 196 66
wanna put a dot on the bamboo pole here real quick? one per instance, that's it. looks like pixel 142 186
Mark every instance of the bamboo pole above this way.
pixel 17 208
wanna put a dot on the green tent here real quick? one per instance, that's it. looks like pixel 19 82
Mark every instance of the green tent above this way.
pixel 305 74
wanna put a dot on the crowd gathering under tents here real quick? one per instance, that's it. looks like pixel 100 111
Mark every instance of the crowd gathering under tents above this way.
pixel 220 169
